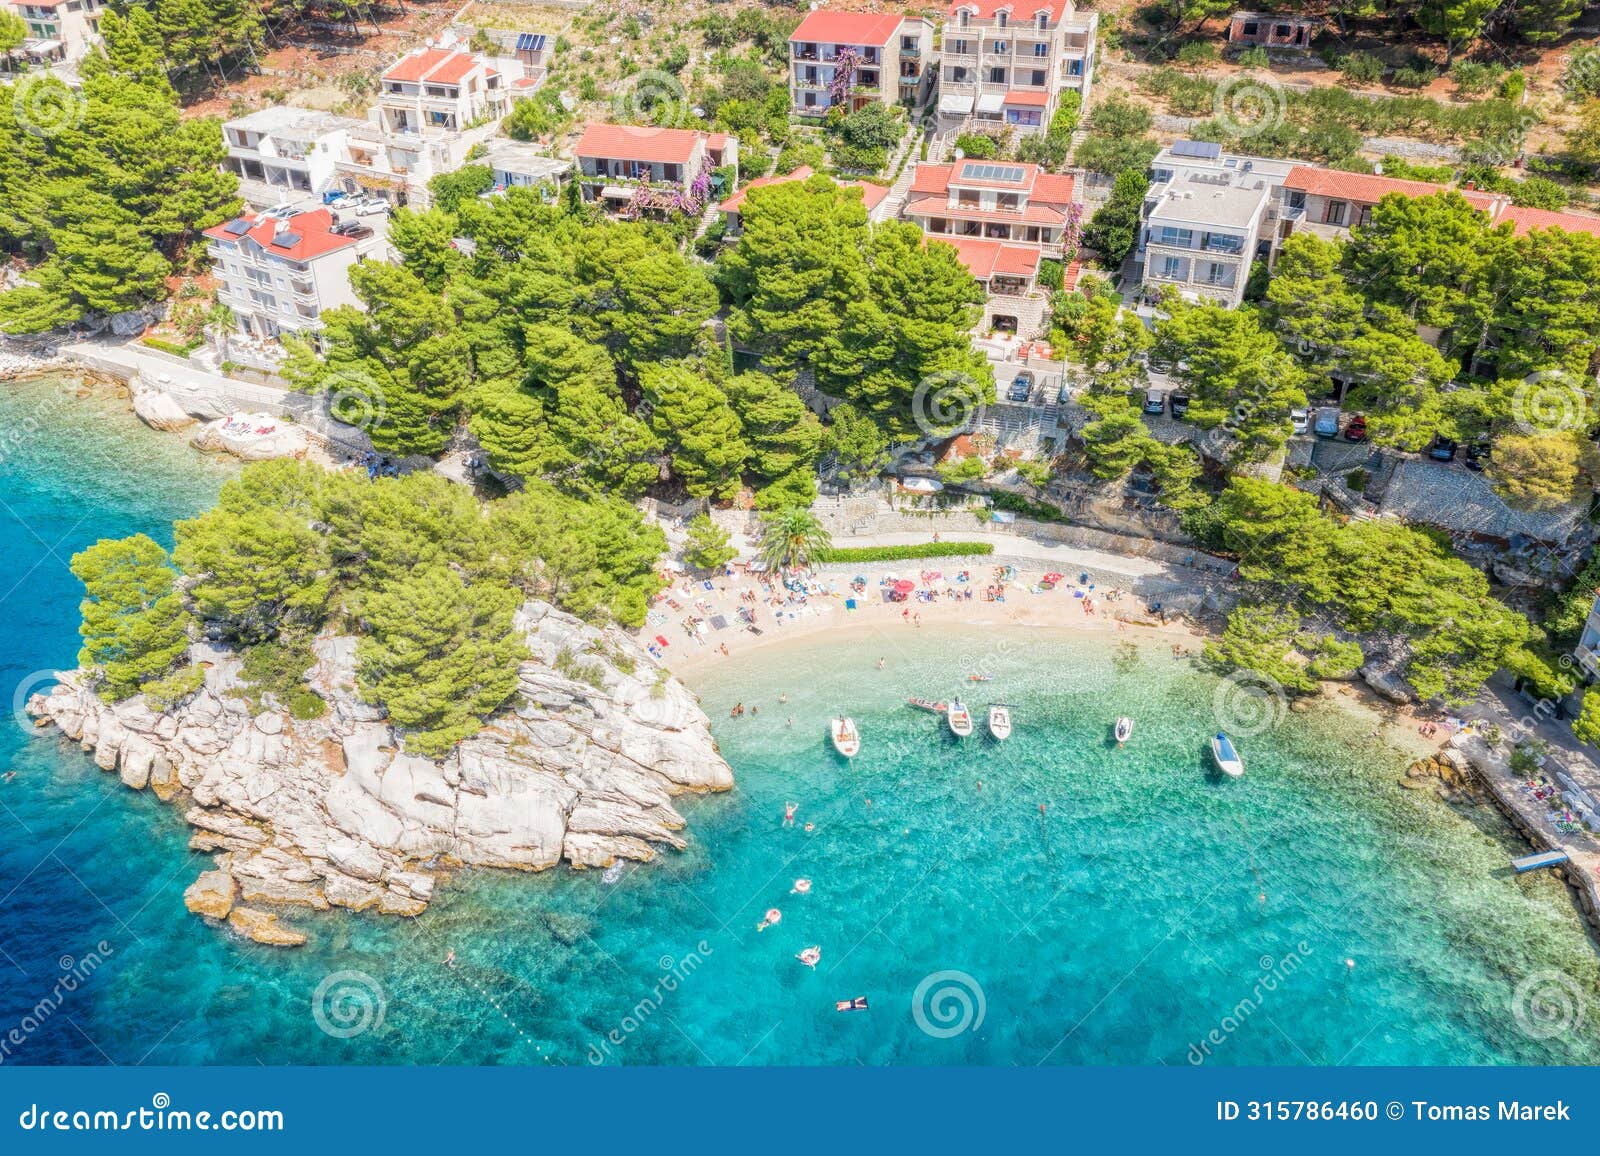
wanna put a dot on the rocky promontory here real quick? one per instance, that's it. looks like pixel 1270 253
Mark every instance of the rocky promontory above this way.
pixel 333 812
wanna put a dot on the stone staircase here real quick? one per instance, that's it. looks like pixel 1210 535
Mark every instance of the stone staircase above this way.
pixel 896 200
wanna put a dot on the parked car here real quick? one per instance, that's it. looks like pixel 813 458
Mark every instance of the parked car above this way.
pixel 1155 401
pixel 354 230
pixel 371 207
pixel 1477 456
pixel 1442 450
pixel 1355 429
pixel 1299 420
pixel 1179 403
pixel 1021 388
pixel 1064 396
pixel 1327 425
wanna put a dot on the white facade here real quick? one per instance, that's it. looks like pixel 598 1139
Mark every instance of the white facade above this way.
pixel 1207 216
pixel 60 29
pixel 281 276
pixel 1005 66
pixel 294 149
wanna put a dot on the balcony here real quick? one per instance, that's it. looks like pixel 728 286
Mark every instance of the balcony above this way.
pixel 912 52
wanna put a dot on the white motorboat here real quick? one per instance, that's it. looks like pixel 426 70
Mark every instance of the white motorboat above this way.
pixel 1226 758
pixel 959 718
pixel 846 739
pixel 1000 721
pixel 1124 729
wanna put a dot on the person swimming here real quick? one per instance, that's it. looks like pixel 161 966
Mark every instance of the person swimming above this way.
pixel 801 887
pixel 771 919
pixel 788 813
pixel 811 956
pixel 857 1004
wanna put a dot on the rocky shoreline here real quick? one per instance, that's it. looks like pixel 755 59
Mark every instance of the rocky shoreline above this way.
pixel 333 813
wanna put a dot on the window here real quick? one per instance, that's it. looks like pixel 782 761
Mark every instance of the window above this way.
pixel 1000 47
pixel 1001 19
pixel 964 18
pixel 1171 268
pixel 1038 75
pixel 1335 213
pixel 1074 68
pixel 1041 49
pixel 1168 235
pixel 960 47
pixel 1280 30
pixel 1044 21
pixel 997 76
pixel 1251 28
pixel 1216 274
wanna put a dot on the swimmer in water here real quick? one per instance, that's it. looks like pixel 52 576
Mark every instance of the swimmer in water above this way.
pixel 801 887
pixel 788 813
pixel 810 827
pixel 450 958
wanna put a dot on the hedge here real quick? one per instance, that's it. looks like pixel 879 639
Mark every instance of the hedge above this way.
pixel 170 347
pixel 903 553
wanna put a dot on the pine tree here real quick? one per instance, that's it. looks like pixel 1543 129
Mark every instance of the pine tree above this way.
pixel 135 626
pixel 703 433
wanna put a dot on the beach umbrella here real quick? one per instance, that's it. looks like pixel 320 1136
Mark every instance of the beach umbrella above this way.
pixel 904 586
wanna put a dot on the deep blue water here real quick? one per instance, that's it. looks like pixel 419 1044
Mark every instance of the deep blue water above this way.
pixel 1149 905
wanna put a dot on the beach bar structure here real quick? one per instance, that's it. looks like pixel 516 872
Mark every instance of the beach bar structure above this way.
pixel 1270 30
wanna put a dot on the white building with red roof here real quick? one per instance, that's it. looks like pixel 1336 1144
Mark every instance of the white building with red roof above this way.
pixel 440 90
pixel 280 275
pixel 994 200
pixel 1005 63
pixel 627 167
pixel 853 59
pixel 59 29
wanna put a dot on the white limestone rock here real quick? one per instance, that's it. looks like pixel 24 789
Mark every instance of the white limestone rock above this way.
pixel 334 812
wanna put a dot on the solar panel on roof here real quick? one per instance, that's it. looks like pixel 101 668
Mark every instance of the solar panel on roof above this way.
pixel 1197 148
pixel 982 172
pixel 286 240
pixel 530 41
pixel 237 227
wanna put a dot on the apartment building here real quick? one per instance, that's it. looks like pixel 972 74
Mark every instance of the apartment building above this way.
pixel 1207 215
pixel 519 165
pixel 59 29
pixel 432 91
pixel 292 149
pixel 853 59
pixel 632 168
pixel 996 200
pixel 280 275
pixel 1005 65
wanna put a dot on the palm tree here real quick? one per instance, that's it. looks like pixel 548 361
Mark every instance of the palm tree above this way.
pixel 792 537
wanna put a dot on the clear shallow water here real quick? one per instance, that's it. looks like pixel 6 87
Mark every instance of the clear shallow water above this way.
pixel 1123 925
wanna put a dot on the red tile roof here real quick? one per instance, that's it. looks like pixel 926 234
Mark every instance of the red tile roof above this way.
pixel 428 63
pixel 1020 9
pixel 1369 189
pixel 864 28
pixel 1043 188
pixel 622 142
pixel 1023 97
pixel 871 195
pixel 1525 220
pixel 985 258
pixel 314 230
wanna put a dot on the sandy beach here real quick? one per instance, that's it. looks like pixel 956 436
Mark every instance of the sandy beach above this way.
pixel 687 614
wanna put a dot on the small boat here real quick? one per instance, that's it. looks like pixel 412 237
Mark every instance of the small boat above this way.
pixel 1124 729
pixel 846 739
pixel 959 718
pixel 977 678
pixel 1226 758
pixel 927 704
pixel 1000 721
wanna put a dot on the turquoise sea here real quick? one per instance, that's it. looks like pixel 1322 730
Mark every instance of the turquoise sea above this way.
pixel 1148 909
